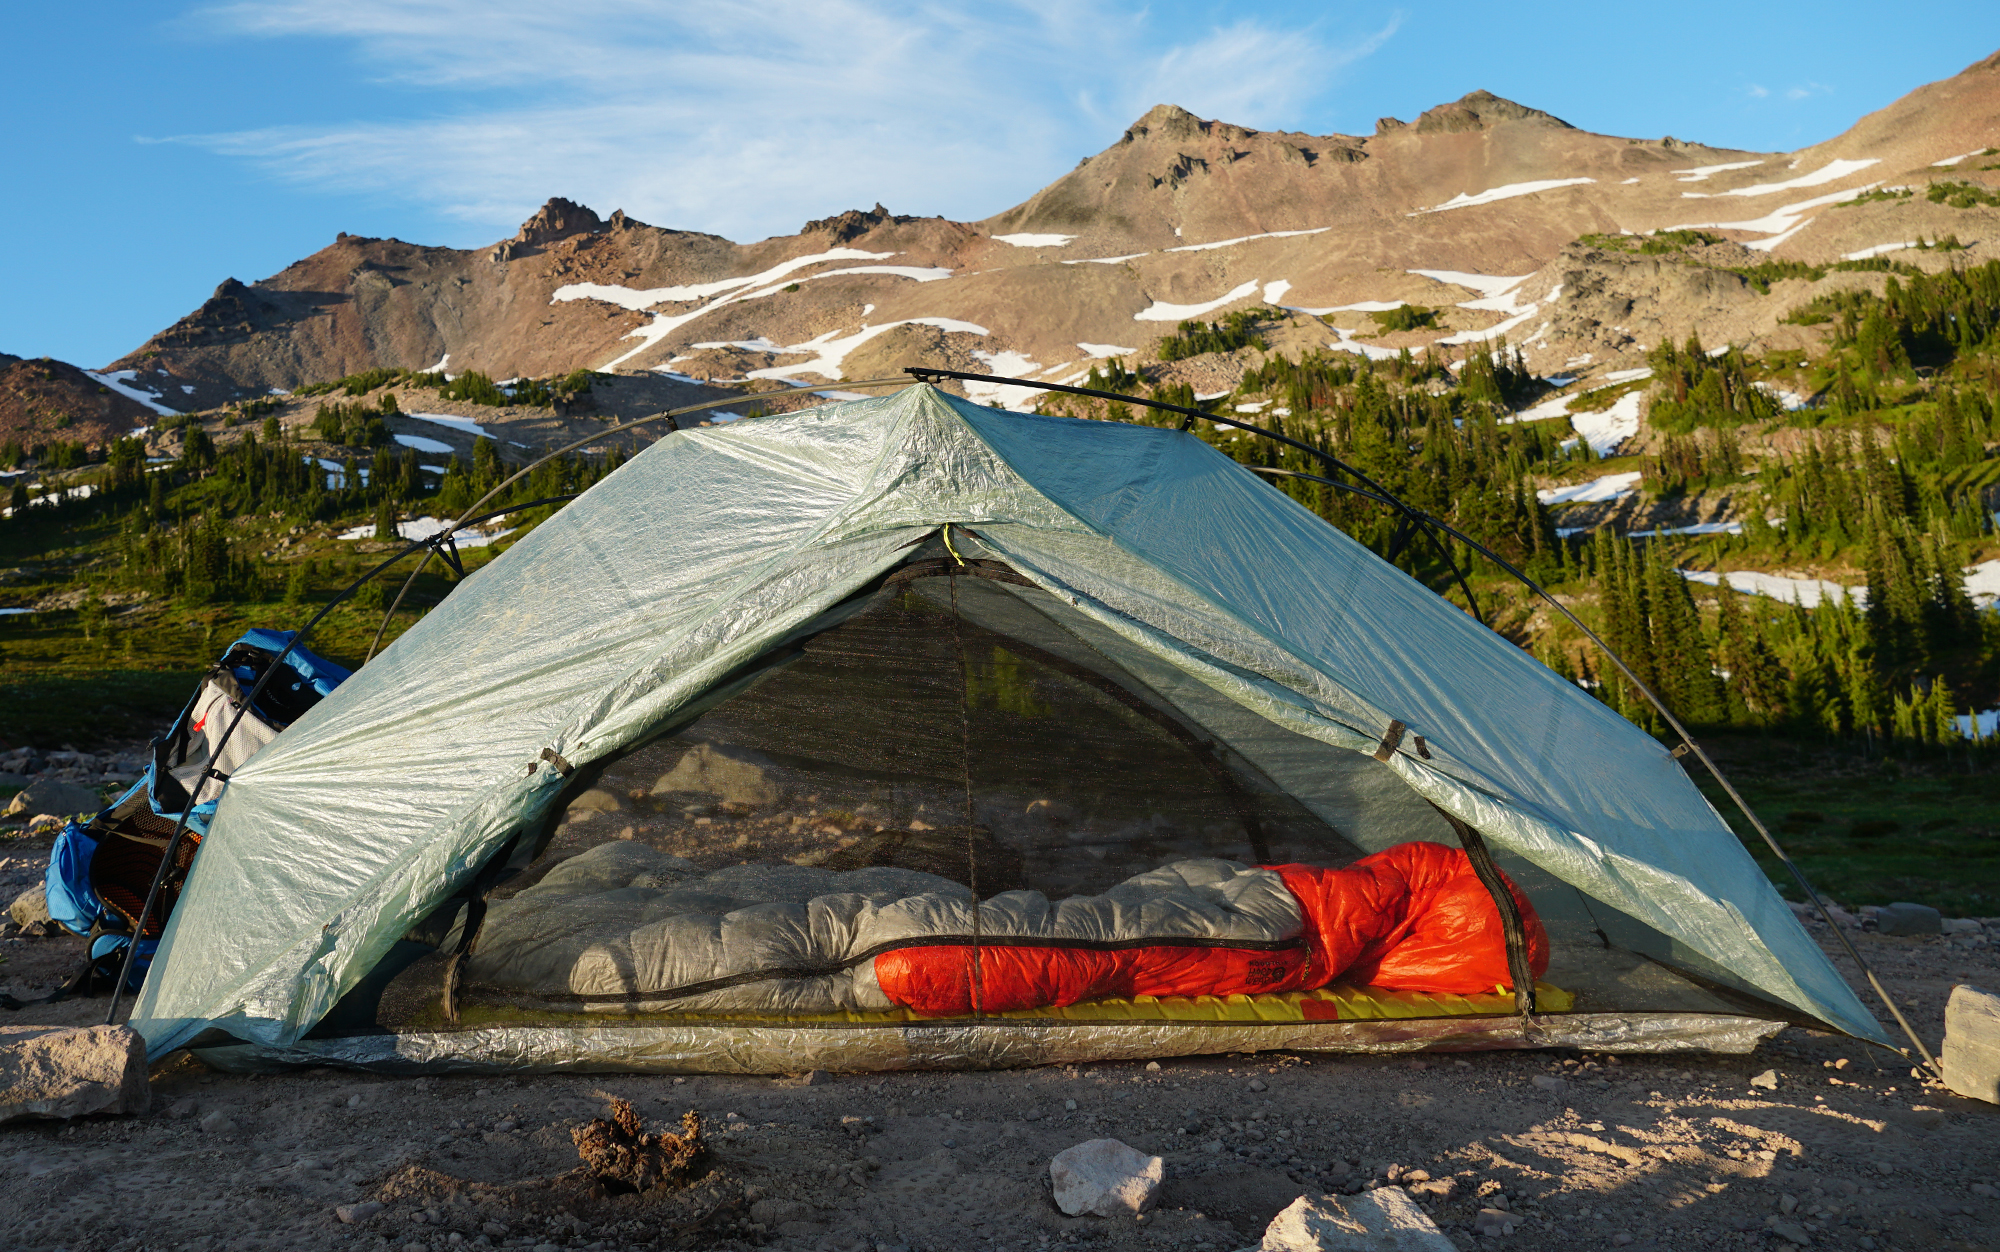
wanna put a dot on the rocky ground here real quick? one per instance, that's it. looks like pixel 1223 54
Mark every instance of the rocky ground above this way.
pixel 1837 1147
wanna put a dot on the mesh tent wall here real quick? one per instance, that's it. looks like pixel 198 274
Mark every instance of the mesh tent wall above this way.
pixel 652 596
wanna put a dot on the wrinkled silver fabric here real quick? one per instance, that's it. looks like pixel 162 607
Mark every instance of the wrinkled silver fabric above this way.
pixel 736 1049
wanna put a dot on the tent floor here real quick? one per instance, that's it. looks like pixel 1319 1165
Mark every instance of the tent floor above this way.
pixel 738 1048
pixel 1605 999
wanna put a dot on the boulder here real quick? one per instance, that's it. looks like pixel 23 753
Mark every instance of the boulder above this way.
pixel 61 1071
pixel 31 909
pixel 1908 919
pixel 1971 1055
pixel 730 774
pixel 1105 1178
pixel 1383 1220
pixel 58 799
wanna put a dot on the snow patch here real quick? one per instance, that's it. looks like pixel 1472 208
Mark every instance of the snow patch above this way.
pixel 1489 286
pixel 1103 350
pixel 1008 364
pixel 1036 241
pixel 1511 190
pixel 422 444
pixel 1878 250
pixel 1596 491
pixel 1626 376
pixel 120 381
pixel 1832 171
pixel 1605 431
pixel 1556 407
pixel 1491 332
pixel 1348 343
pixel 1699 528
pixel 418 529
pixel 1702 173
pixel 465 424
pixel 1225 243
pixel 1783 222
pixel 1275 291
pixel 1805 592
pixel 1948 162
pixel 1108 260
pixel 1982 582
pixel 832 347
pixel 1160 311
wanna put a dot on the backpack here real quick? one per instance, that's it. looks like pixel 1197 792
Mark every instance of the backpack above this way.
pixel 100 870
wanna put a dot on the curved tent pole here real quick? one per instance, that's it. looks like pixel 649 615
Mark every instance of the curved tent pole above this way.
pixel 1431 525
pixel 431 546
pixel 194 795
pixel 1688 744
pixel 1190 416
pixel 530 467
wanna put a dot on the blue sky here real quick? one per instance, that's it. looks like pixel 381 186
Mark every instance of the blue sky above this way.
pixel 158 148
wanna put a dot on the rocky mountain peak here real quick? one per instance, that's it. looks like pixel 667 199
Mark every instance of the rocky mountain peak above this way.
pixel 1478 110
pixel 853 224
pixel 558 219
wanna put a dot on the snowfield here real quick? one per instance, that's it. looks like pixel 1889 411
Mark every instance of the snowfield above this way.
pixel 1605 431
pixel 831 348
pixel 1701 173
pixel 120 381
pixel 1596 491
pixel 1037 241
pixel 1159 311
pixel 1494 194
pixel 1269 234
pixel 1807 592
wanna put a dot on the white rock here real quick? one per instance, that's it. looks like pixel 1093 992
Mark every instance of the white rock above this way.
pixel 1971 1055
pixel 1105 1178
pixel 58 1071
pixel 355 1214
pixel 1383 1220
pixel 1768 1080
pixel 54 799
pixel 1550 1082
pixel 733 775
pixel 31 907
pixel 1962 926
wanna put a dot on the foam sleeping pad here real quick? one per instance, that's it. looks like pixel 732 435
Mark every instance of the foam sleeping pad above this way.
pixel 624 928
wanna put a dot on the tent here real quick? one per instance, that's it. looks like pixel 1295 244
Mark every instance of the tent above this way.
pixel 889 649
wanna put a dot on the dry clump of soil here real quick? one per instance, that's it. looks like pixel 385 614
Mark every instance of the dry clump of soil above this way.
pixel 618 1151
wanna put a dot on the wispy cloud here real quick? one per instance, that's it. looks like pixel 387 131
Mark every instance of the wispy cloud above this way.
pixel 744 118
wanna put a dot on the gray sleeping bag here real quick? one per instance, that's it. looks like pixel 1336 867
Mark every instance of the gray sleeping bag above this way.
pixel 624 928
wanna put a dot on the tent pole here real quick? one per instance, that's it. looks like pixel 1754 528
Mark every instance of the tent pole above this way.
pixel 1375 491
pixel 194 796
pixel 1688 745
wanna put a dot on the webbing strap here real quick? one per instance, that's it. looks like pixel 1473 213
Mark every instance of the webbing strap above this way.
pixel 1511 926
pixel 1392 739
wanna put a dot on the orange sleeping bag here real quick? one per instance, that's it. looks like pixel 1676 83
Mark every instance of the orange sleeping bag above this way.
pixel 1411 918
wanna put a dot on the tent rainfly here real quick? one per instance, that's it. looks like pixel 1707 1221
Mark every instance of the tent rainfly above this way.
pixel 904 732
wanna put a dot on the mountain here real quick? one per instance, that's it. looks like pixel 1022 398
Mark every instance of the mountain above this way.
pixel 1475 208
pixel 46 400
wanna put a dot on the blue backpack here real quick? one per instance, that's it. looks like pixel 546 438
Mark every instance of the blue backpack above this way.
pixel 100 870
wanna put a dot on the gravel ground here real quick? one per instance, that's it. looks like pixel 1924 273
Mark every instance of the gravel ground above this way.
pixel 1585 1151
